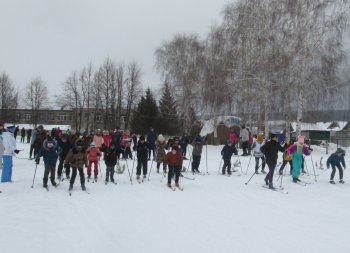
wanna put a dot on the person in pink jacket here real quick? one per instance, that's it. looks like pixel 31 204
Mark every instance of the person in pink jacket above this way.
pixel 98 139
pixel 93 155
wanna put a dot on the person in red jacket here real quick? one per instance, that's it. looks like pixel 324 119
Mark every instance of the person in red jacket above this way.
pixel 93 155
pixel 126 144
pixel 107 138
pixel 174 161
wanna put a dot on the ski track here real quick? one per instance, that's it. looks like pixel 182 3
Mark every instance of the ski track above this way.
pixel 214 213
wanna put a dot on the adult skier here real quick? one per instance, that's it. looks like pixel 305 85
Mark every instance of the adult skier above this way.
pixel 256 147
pixel 336 160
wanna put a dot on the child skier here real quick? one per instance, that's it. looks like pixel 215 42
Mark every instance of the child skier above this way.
pixel 126 144
pixel 228 150
pixel 77 158
pixel 270 150
pixel 111 159
pixel 93 155
pixel 98 139
pixel 160 146
pixel 65 145
pixel 174 160
pixel 297 150
pixel 287 158
pixel 50 152
pixel 256 147
pixel 142 155
pixel 10 150
pixel 336 160
pixel 197 153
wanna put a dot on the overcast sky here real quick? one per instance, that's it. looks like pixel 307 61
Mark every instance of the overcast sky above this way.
pixel 51 38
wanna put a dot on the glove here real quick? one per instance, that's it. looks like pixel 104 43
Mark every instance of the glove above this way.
pixel 16 151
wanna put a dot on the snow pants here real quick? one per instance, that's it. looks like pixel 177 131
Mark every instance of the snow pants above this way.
pixel 7 165
pixel 143 164
pixel 109 173
pixel 269 176
pixel 340 171
pixel 257 163
pixel 95 163
pixel 60 168
pixel 127 153
pixel 227 165
pixel 174 170
pixel 164 167
pixel 74 174
pixel 195 163
pixel 297 164
pixel 245 147
pixel 49 169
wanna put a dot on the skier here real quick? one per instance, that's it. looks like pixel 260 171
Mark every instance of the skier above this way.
pixel 32 143
pixel 297 150
pixel 29 134
pixel 174 161
pixel 15 133
pixel 245 140
pixel 270 150
pixel 23 134
pixel 142 153
pixel 250 141
pixel 40 136
pixel 227 151
pixel 256 147
pixel 287 158
pixel 98 139
pixel 126 144
pixel 336 160
pixel 1 143
pixel 10 150
pixel 151 142
pixel 65 145
pixel 77 158
pixel 160 152
pixel 93 155
pixel 49 152
pixel 197 153
pixel 184 143
pixel 111 159
pixel 107 138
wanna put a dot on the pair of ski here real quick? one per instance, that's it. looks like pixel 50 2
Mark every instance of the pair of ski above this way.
pixel 106 182
pixel 141 180
pixel 47 187
pixel 302 183
pixel 94 180
pixel 279 189
pixel 174 188
pixel 70 192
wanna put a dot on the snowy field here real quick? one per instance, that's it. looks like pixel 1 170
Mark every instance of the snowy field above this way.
pixel 214 213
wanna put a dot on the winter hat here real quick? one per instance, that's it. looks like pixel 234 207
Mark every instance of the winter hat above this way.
pixel 142 138
pixel 260 137
pixel 228 142
pixel 198 138
pixel 11 129
pixel 301 139
pixel 340 151
pixel 161 138
pixel 79 142
pixel 93 145
pixel 41 127
pixel 272 136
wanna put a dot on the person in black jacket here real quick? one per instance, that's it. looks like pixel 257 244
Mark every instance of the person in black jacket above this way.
pixel 270 150
pixel 336 160
pixel 142 154
pixel 228 150
pixel 151 142
pixel 111 159
pixel 65 145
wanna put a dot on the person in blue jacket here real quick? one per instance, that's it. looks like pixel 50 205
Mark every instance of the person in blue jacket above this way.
pixel 227 151
pixel 50 151
pixel 336 160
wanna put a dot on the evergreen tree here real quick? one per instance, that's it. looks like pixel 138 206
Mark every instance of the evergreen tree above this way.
pixel 146 114
pixel 168 119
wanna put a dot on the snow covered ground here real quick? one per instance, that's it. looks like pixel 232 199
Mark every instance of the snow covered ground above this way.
pixel 214 213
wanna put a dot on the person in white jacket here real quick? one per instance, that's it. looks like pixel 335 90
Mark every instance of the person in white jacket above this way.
pixel 258 154
pixel 10 150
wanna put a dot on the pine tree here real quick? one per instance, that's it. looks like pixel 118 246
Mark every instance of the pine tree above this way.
pixel 146 114
pixel 168 118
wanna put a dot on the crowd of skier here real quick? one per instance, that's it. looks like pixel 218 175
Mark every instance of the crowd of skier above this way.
pixel 74 152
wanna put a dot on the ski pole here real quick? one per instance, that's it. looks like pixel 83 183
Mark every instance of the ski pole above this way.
pixel 251 176
pixel 206 157
pixel 248 165
pixel 313 167
pixel 189 163
pixel 127 166
pixel 149 174
pixel 133 164
pixel 34 175
pixel 220 166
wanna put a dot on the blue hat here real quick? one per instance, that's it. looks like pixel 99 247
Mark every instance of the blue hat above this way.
pixel 228 142
pixel 11 129
pixel 198 138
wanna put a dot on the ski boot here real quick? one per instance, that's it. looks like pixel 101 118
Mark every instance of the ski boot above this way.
pixel 95 178
pixel 53 183
pixel 332 182
pixel 266 181
pixel 271 186
pixel 256 172
pixel 341 181
pixel 263 172
pixel 83 187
